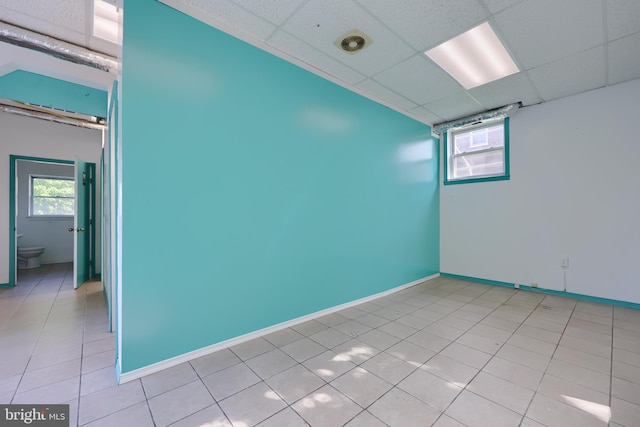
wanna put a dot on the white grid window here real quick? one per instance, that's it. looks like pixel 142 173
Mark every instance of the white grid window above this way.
pixel 52 196
pixel 478 152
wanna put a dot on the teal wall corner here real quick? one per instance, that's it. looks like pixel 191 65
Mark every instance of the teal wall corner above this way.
pixel 24 86
pixel 262 193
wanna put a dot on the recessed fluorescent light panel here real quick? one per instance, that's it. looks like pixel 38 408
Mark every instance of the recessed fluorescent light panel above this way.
pixel 105 20
pixel 475 57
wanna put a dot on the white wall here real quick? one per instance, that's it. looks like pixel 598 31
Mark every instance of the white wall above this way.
pixel 25 136
pixel 574 192
pixel 51 233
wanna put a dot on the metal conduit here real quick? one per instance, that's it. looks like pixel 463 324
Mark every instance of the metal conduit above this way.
pixel 50 117
pixel 58 48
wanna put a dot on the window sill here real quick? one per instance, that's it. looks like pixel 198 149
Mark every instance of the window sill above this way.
pixel 483 179
pixel 50 217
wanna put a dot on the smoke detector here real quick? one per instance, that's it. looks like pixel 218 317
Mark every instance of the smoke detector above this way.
pixel 353 41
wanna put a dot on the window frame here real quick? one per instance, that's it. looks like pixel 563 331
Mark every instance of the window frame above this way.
pixel 447 157
pixel 33 177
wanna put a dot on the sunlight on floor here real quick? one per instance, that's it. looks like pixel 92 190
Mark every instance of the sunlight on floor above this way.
pixel 601 412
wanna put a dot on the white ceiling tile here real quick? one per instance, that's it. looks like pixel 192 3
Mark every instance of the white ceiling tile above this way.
pixel 623 18
pixel 382 92
pixel 419 80
pixel 624 59
pixel 496 6
pixel 307 54
pixel 273 11
pixel 320 22
pixel 514 88
pixel 541 31
pixel 226 13
pixel 427 23
pixel 568 76
pixel 69 14
pixel 426 115
pixel 455 106
pixel 73 32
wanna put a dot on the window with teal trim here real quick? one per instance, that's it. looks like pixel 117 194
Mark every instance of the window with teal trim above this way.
pixel 478 152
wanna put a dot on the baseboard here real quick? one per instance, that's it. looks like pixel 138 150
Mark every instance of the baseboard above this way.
pixel 527 288
pixel 168 363
pixel 6 285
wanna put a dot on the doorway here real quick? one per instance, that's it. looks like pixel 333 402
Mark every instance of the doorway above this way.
pixel 41 211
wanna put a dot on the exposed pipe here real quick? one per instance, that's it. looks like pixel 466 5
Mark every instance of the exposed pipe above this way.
pixel 58 48
pixel 505 111
pixel 50 117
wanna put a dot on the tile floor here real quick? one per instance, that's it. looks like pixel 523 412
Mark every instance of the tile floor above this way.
pixel 444 353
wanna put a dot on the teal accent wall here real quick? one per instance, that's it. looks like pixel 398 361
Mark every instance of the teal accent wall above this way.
pixel 255 192
pixel 37 89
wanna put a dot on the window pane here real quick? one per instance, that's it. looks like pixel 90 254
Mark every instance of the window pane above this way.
pixel 481 139
pixel 51 187
pixel 490 163
pixel 52 206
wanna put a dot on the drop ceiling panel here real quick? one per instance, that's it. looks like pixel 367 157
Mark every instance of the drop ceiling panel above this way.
pixel 377 90
pixel 320 22
pixel 496 6
pixel 419 80
pixel 275 12
pixel 425 115
pixel 541 31
pixel 624 59
pixel 577 73
pixel 425 24
pixel 69 14
pixel 514 88
pixel 623 18
pixel 301 50
pixel 226 13
pixel 454 106
pixel 74 32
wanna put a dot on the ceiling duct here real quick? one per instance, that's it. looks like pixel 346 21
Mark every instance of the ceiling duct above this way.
pixel 58 48
pixel 49 117
pixel 502 112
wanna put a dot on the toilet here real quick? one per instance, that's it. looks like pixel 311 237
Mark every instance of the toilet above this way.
pixel 29 257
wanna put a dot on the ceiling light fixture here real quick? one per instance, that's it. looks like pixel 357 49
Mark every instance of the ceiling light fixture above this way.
pixel 475 57
pixel 353 41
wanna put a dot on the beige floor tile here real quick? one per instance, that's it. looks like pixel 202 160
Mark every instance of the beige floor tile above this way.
pixel 476 411
pixel 110 400
pixel 330 338
pixel 625 390
pixel 252 348
pixel 252 405
pixel 58 392
pixel 524 357
pixel 51 374
pixel 168 379
pixel 229 381
pixel 355 351
pixel 554 413
pixel 478 342
pixel 283 337
pixel 287 417
pixel 326 407
pixel 137 415
pixel 514 373
pixel 502 392
pixel 447 421
pixel 429 341
pixel 209 416
pixel 430 389
pixel 450 370
pixel 411 353
pixel 397 408
pixel 467 355
pixel 179 403
pixel 388 367
pixel 329 365
pixel 579 375
pixel 625 413
pixel 270 363
pixel 626 372
pixel 214 362
pixel 361 386
pixel 365 419
pixel 295 383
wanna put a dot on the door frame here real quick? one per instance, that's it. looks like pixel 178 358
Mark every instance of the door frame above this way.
pixel 13 259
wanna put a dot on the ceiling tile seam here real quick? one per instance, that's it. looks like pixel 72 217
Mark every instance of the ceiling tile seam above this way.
pixel 392 91
pixel 605 37
pixel 311 47
pixel 383 24
pixel 284 22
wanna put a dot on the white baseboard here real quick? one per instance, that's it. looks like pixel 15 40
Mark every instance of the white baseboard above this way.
pixel 168 363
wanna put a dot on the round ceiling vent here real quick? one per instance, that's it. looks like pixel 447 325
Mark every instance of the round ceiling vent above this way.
pixel 352 43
